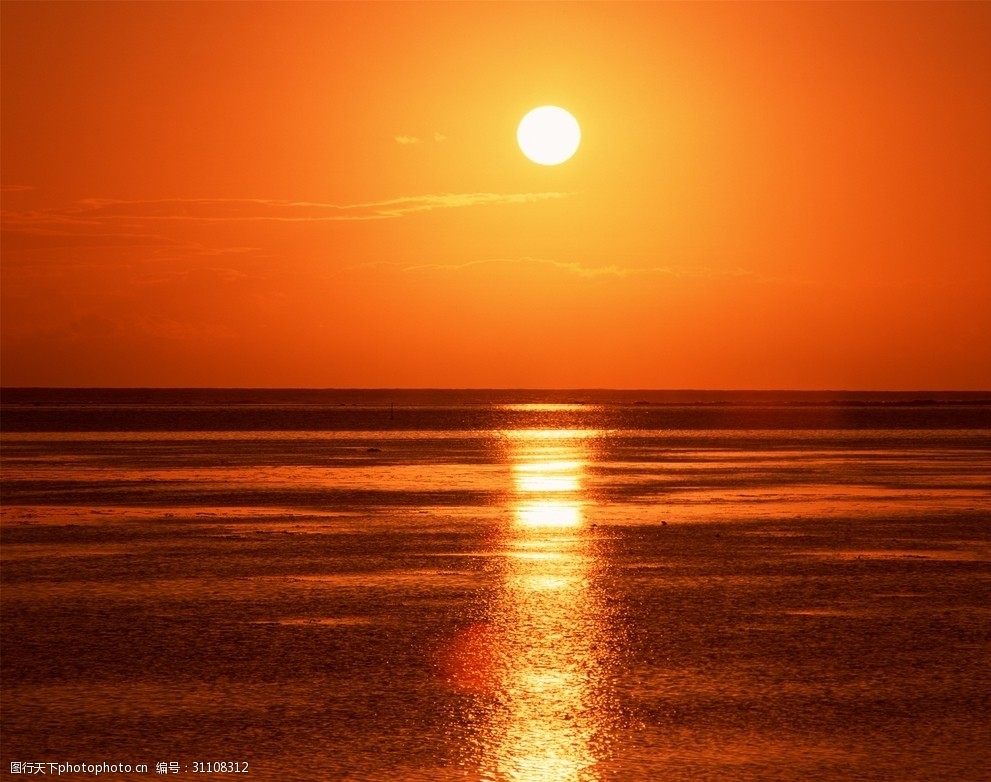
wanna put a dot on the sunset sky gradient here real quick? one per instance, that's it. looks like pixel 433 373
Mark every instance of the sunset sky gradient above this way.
pixel 775 195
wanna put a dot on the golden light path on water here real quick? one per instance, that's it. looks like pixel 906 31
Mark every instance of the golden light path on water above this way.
pixel 549 718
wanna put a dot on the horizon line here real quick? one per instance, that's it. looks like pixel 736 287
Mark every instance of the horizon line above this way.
pixel 570 389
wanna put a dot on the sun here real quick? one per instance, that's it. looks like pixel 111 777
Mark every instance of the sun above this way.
pixel 548 135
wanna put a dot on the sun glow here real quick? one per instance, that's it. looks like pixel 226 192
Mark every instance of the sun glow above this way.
pixel 548 135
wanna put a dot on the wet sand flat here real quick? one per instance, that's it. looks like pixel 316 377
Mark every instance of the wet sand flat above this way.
pixel 539 604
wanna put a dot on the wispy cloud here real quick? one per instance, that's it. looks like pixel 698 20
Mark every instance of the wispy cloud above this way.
pixel 406 140
pixel 52 239
pixel 587 271
pixel 90 211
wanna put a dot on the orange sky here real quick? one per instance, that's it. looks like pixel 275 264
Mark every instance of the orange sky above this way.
pixel 325 194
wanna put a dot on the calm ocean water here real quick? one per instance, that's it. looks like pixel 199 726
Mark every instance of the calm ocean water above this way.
pixel 525 586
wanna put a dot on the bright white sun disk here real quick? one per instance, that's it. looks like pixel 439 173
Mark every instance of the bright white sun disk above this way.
pixel 548 135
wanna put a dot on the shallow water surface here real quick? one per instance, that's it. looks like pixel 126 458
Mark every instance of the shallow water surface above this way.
pixel 567 596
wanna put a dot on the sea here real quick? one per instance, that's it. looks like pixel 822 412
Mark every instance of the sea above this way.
pixel 501 586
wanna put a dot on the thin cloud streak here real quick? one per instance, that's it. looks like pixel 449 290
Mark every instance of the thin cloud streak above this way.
pixel 407 140
pixel 96 210
pixel 588 271
pixel 70 245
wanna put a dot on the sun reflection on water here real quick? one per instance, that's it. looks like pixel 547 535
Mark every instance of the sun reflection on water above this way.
pixel 549 715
